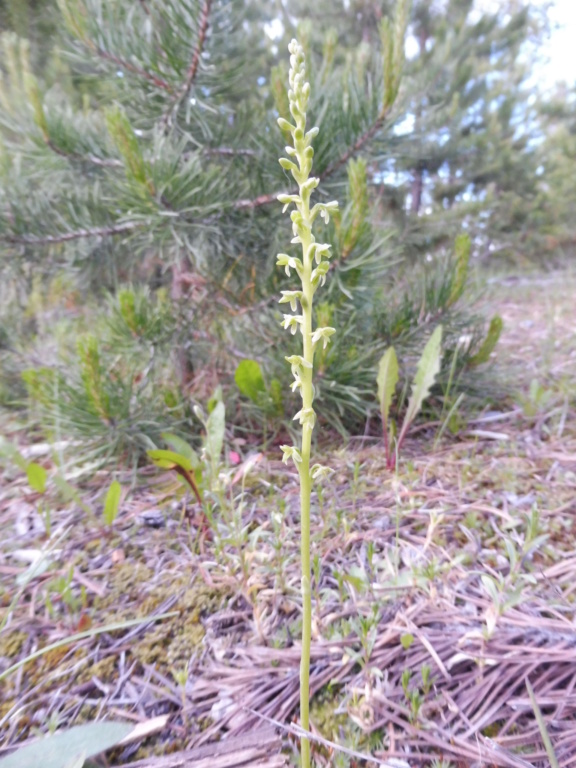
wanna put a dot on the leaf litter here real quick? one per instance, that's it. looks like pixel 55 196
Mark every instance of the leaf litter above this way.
pixel 461 566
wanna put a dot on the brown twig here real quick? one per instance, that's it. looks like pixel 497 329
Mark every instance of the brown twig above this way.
pixel 107 56
pixel 356 147
pixel 193 68
pixel 68 236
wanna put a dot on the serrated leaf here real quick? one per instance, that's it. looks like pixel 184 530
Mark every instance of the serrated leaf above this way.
pixel 428 369
pixel 55 751
pixel 37 477
pixel 387 380
pixel 112 502
pixel 249 379
pixel 169 459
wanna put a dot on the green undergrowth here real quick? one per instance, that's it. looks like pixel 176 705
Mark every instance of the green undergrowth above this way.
pixel 120 369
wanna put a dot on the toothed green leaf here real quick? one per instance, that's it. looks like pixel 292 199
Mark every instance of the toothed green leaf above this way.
pixel 428 369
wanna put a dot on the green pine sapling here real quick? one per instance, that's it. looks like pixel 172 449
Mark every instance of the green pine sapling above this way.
pixel 312 269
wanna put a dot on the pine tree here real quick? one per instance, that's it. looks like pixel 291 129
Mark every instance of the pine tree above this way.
pixel 553 230
pixel 156 165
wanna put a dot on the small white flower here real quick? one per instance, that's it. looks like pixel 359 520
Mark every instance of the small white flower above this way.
pixel 306 417
pixel 289 262
pixel 324 209
pixel 321 249
pixel 292 322
pixel 319 274
pixel 298 360
pixel 290 452
pixel 324 334
pixel 287 199
pixel 296 384
pixel 292 297
pixel 319 472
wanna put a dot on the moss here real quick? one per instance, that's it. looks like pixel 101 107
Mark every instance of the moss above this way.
pixel 104 669
pixel 175 640
pixel 322 713
pixel 11 644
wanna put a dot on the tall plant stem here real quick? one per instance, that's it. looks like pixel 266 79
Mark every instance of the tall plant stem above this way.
pixel 303 365
pixel 305 477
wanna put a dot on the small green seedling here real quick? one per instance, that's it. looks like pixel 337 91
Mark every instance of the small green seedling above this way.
pixel 428 369
pixel 37 478
pixel 112 502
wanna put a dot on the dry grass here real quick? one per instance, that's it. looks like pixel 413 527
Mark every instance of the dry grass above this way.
pixel 463 564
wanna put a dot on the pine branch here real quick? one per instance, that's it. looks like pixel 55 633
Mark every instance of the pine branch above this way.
pixel 369 134
pixel 103 163
pixel 204 17
pixel 193 68
pixel 229 152
pixel 107 56
pixel 65 237
pixel 357 146
pixel 244 204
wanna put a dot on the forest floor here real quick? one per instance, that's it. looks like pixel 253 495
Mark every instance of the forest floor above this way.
pixel 440 591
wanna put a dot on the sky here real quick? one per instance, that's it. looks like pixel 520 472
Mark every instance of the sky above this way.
pixel 560 48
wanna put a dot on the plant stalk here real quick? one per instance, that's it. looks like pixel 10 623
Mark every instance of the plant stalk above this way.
pixel 305 478
pixel 311 277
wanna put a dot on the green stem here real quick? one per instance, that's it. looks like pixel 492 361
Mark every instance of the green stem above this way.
pixel 303 365
pixel 305 477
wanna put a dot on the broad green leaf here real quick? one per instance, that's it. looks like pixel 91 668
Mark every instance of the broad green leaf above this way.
pixel 387 380
pixel 181 447
pixel 428 369
pixel 58 750
pixel 249 379
pixel 167 459
pixel 37 477
pixel 215 427
pixel 77 762
pixel 112 502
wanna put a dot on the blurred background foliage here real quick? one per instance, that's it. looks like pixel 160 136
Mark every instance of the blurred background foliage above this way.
pixel 138 216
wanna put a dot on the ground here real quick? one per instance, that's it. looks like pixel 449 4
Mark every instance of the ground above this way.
pixel 440 591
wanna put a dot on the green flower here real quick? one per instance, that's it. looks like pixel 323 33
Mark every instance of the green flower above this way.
pixel 324 334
